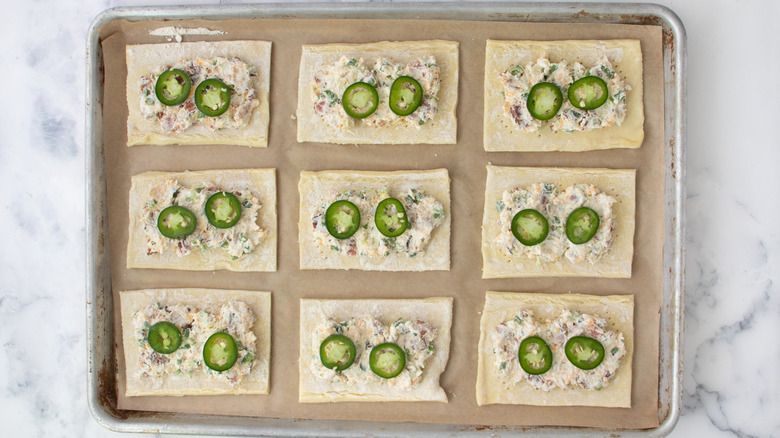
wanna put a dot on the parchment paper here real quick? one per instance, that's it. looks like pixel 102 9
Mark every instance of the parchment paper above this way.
pixel 466 163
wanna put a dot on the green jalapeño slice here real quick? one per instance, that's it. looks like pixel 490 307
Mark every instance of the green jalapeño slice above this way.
pixel 544 100
pixel 223 210
pixel 337 352
pixel 172 87
pixel 387 360
pixel 360 100
pixel 342 219
pixel 535 355
pixel 584 352
pixel 405 95
pixel 581 225
pixel 220 352
pixel 212 97
pixel 176 222
pixel 530 227
pixel 164 337
pixel 390 217
pixel 588 93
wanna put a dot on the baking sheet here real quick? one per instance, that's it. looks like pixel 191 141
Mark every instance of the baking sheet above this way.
pixel 465 161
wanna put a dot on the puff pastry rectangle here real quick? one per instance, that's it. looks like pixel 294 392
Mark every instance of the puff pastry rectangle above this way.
pixel 442 129
pixel 617 310
pixel 616 263
pixel 198 383
pixel 435 311
pixel 499 131
pixel 314 188
pixel 263 258
pixel 145 58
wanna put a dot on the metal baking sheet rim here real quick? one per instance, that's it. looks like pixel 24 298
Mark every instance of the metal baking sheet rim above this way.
pixel 100 349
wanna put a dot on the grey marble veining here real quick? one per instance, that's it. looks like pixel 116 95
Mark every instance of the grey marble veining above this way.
pixel 732 356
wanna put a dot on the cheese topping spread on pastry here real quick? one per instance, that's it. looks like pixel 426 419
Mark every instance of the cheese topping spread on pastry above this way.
pixel 415 338
pixel 237 240
pixel 556 206
pixel 196 326
pixel 424 214
pixel 234 72
pixel 330 82
pixel 518 81
pixel 563 373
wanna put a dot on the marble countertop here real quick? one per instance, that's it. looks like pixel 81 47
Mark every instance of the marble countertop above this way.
pixel 732 372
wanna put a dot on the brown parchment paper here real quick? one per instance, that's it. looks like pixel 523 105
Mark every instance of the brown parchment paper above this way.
pixel 465 161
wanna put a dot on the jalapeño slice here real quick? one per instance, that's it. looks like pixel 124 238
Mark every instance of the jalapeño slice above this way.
pixel 212 97
pixel 584 352
pixel 342 219
pixel 530 227
pixel 387 360
pixel 581 225
pixel 544 100
pixel 360 100
pixel 588 93
pixel 172 87
pixel 405 95
pixel 337 352
pixel 223 209
pixel 164 337
pixel 390 217
pixel 176 222
pixel 535 355
pixel 220 352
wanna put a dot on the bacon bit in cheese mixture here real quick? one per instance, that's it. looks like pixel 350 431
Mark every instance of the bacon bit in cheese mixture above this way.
pixel 237 240
pixel 556 206
pixel 518 81
pixel 196 326
pixel 508 335
pixel 424 214
pixel 416 338
pixel 233 72
pixel 331 80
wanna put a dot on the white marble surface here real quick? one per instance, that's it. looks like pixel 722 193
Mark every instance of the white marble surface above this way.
pixel 732 376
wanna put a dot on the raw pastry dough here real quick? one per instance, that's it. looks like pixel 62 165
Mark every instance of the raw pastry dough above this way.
pixel 617 310
pixel 441 130
pixel 199 383
pixel 436 311
pixel 263 258
pixel 500 133
pixel 145 58
pixel 616 263
pixel 314 186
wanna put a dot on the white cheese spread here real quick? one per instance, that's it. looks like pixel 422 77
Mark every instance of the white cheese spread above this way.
pixel 196 326
pixel 508 335
pixel 518 81
pixel 556 205
pixel 238 240
pixel 331 80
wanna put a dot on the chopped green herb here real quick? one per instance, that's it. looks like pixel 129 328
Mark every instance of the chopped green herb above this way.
pixel 615 351
pixel 500 206
pixel 332 97
pixel 351 62
pixel 503 366
pixel 248 358
pixel 610 74
pixel 516 71
pixel 518 320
